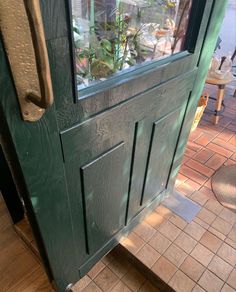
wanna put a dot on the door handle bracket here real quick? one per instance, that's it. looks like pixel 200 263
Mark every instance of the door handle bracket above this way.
pixel 24 41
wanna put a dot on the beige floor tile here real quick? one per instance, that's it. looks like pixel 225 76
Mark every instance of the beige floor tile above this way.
pixel 202 254
pixel 227 288
pixel 144 230
pixel 121 287
pixel 220 268
pixel 194 230
pixel 186 242
pixel 81 284
pixel 164 269
pixel 132 243
pixel 148 287
pixel 211 241
pixel 197 288
pixel 175 255
pixel 178 221
pixel 107 259
pixel 169 230
pixel 96 269
pixel 155 220
pixel 214 206
pixel 210 282
pixel 160 243
pixel 163 211
pixel 227 253
pixel 199 198
pixel 232 279
pixel 192 268
pixel 232 234
pixel 222 226
pixel 230 242
pixel 201 223
pixel 181 283
pixel 92 287
pixel 217 233
pixel 228 216
pixel 134 279
pixel 119 266
pixel 106 279
pixel 206 216
pixel 148 255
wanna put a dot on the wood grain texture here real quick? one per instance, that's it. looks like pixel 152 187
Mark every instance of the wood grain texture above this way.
pixel 38 149
pixel 55 18
pixel 165 133
pixel 104 197
pixel 89 140
pixel 60 63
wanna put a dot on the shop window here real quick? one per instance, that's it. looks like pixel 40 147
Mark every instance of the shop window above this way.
pixel 113 36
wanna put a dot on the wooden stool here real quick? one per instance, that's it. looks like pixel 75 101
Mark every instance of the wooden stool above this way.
pixel 220 83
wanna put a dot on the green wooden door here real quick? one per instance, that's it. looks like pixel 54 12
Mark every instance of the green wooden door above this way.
pixel 97 162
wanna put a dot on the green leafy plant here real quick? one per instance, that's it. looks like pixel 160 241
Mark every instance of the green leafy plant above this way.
pixel 105 56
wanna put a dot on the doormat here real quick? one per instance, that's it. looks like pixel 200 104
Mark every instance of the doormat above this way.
pixel 224 186
pixel 182 206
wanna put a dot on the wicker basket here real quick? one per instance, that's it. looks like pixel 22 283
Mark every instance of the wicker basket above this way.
pixel 200 109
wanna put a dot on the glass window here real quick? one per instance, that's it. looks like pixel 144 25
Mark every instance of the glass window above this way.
pixel 113 35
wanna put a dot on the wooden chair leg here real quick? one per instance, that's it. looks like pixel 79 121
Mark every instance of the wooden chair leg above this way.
pixel 218 105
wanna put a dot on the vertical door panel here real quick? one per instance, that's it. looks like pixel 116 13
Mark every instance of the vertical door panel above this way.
pixel 165 133
pixel 104 198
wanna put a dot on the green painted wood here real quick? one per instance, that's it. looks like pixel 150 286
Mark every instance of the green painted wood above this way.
pixel 165 132
pixel 210 39
pixel 55 18
pixel 98 98
pixel 104 197
pixel 108 129
pixel 38 149
pixel 60 65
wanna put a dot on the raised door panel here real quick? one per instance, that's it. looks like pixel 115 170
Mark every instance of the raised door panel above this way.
pixel 164 138
pixel 153 151
pixel 104 197
pixel 101 155
pixel 97 155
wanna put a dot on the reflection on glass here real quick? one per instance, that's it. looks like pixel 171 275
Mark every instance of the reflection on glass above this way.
pixel 113 35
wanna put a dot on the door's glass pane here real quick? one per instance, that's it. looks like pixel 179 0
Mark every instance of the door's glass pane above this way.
pixel 111 36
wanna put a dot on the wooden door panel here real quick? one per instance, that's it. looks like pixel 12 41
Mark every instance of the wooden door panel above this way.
pixel 164 137
pixel 97 157
pixel 150 135
pixel 92 145
pixel 104 197
pixel 142 137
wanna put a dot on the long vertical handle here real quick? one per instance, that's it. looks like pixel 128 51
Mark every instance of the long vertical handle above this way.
pixel 38 37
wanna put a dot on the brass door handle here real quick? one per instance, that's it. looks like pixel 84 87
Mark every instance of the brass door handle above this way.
pixel 40 49
pixel 24 41
pixel 36 25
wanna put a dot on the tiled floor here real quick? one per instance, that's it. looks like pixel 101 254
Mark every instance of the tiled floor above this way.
pixel 196 256
pixel 116 274
pixel 200 255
